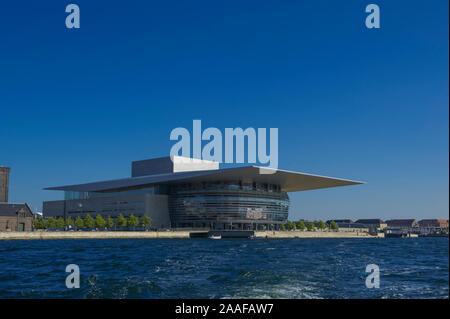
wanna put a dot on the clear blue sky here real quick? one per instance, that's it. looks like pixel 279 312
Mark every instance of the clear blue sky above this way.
pixel 351 102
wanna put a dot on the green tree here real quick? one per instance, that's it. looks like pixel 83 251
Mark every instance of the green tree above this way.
pixel 42 223
pixel 99 221
pixel 321 224
pixel 301 225
pixel 60 222
pixel 132 221
pixel 69 222
pixel 310 226
pixel 88 221
pixel 333 225
pixel 121 221
pixel 51 222
pixel 290 225
pixel 282 227
pixel 146 221
pixel 79 222
pixel 36 224
pixel 109 222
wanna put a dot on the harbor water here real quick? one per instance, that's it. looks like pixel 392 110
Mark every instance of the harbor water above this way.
pixel 226 268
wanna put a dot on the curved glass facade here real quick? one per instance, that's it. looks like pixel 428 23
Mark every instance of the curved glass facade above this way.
pixel 228 205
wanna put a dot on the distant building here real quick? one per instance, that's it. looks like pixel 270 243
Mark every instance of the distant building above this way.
pixel 402 223
pixel 345 221
pixel 352 227
pixel 434 224
pixel 4 184
pixel 373 224
pixel 15 217
pixel 38 215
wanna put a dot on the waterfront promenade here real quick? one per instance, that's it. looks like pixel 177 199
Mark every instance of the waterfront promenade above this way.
pixel 168 234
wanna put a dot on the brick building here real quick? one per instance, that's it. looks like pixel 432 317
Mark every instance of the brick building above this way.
pixel 402 223
pixel 15 217
pixel 4 184
pixel 436 224
pixel 375 224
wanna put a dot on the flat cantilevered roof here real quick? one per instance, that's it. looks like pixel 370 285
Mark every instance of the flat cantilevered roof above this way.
pixel 289 181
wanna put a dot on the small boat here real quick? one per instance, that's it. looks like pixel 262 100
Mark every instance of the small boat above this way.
pixel 215 237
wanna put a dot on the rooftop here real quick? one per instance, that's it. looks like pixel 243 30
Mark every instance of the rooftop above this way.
pixel 11 209
pixel 161 171
pixel 370 221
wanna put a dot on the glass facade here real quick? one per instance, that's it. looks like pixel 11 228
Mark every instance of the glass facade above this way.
pixel 218 205
pixel 228 205
pixel 157 189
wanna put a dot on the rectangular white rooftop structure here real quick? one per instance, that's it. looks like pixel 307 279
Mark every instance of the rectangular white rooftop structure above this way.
pixel 170 164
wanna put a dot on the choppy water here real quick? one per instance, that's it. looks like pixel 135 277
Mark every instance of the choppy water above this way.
pixel 204 268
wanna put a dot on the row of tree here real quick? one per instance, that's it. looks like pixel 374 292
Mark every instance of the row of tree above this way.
pixel 89 222
pixel 310 226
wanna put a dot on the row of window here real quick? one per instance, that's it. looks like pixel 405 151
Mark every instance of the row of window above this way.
pixel 203 206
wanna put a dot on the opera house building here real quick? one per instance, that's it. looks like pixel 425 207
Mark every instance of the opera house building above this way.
pixel 178 192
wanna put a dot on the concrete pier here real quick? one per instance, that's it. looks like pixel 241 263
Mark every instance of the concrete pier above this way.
pixel 168 234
